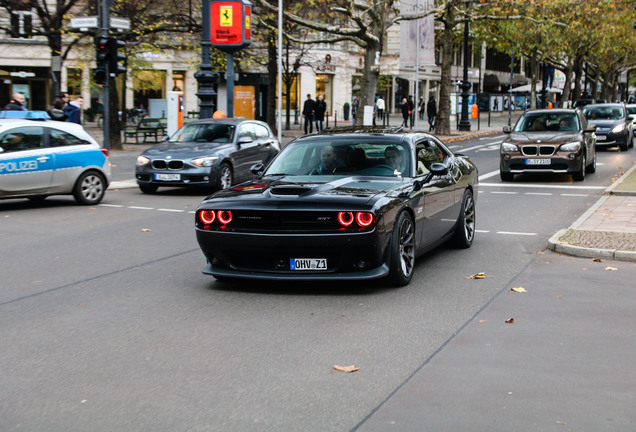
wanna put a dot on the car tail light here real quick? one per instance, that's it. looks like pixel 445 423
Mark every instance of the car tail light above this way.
pixel 364 219
pixel 207 216
pixel 225 217
pixel 345 218
pixel 105 151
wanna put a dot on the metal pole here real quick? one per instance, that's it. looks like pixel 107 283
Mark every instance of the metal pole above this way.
pixel 512 72
pixel 230 84
pixel 416 103
pixel 464 124
pixel 280 70
pixel 205 76
pixel 105 29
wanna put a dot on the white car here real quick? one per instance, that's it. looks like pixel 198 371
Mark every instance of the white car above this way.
pixel 41 157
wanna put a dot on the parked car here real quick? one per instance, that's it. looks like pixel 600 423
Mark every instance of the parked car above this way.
pixel 549 140
pixel 211 153
pixel 631 111
pixel 580 103
pixel 341 205
pixel 41 157
pixel 613 126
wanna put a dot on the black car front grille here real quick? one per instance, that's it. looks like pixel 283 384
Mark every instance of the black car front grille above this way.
pixel 543 150
pixel 173 164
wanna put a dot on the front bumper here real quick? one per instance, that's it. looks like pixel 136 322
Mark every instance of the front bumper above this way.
pixel 610 139
pixel 557 164
pixel 188 176
pixel 350 256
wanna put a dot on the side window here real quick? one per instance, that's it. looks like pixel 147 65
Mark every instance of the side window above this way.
pixel 261 131
pixel 20 139
pixel 428 153
pixel 61 139
pixel 247 130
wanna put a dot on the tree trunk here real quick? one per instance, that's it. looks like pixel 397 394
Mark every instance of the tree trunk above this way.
pixel 442 122
pixel 272 68
pixel 369 82
pixel 565 96
pixel 114 125
pixel 578 72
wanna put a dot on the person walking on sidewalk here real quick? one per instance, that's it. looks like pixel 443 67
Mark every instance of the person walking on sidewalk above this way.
pixel 319 115
pixel 309 109
pixel 406 112
pixel 16 104
pixel 420 108
pixel 74 110
pixel 379 108
pixel 431 112
pixel 411 110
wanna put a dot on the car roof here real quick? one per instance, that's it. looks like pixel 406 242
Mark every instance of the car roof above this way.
pixel 607 104
pixel 71 127
pixel 551 111
pixel 225 121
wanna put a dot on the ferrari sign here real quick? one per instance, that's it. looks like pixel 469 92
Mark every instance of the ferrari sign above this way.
pixel 230 24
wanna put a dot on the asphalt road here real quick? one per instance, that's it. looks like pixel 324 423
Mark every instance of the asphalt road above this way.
pixel 107 324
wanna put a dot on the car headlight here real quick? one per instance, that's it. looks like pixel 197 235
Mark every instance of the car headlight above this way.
pixel 205 161
pixel 619 128
pixel 571 147
pixel 509 147
pixel 142 160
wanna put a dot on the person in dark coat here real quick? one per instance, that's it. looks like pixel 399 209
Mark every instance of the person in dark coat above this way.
pixel 309 109
pixel 319 115
pixel 16 104
pixel 411 110
pixel 431 112
pixel 57 111
pixel 406 112
pixel 74 110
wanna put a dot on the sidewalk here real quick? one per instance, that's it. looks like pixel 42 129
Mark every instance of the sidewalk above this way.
pixel 608 229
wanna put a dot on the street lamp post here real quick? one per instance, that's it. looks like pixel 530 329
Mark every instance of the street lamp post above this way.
pixel 464 124
pixel 206 77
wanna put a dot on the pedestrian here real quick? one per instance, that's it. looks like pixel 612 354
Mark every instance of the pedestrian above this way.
pixel 16 104
pixel 380 108
pixel 431 112
pixel 354 111
pixel 406 113
pixel 64 97
pixel 411 110
pixel 420 108
pixel 56 112
pixel 74 109
pixel 309 109
pixel 319 115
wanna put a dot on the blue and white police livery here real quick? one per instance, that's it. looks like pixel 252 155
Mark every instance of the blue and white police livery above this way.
pixel 39 158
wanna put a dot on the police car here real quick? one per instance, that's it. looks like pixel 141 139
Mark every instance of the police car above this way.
pixel 40 157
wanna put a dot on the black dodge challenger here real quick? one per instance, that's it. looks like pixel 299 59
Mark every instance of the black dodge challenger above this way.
pixel 341 205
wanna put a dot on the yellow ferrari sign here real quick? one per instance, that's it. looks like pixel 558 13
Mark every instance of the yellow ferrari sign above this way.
pixel 226 16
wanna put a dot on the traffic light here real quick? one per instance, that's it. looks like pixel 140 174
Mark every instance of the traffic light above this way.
pixel 101 58
pixel 114 57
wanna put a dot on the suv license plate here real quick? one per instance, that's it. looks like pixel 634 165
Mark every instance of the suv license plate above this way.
pixel 311 264
pixel 168 177
pixel 538 161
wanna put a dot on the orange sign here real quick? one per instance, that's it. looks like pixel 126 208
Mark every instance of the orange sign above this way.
pixel 230 24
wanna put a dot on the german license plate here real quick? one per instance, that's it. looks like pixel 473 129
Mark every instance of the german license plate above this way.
pixel 308 264
pixel 601 137
pixel 538 161
pixel 168 177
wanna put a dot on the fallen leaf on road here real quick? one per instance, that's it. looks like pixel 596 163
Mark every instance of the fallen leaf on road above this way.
pixel 145 230
pixel 510 320
pixel 351 368
pixel 518 290
pixel 597 260
pixel 611 268
pixel 561 422
pixel 478 276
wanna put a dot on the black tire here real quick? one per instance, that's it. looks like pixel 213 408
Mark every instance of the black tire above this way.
pixel 591 168
pixel 226 178
pixel 506 176
pixel 465 228
pixel 402 250
pixel 148 188
pixel 89 188
pixel 624 146
pixel 580 174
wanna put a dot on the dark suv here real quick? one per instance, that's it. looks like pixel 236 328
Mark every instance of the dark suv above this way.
pixel 613 125
pixel 549 140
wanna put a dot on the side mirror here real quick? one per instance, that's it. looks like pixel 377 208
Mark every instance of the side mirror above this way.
pixel 245 140
pixel 438 169
pixel 590 128
pixel 257 169
pixel 506 129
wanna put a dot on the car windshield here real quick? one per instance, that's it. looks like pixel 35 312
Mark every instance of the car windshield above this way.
pixel 548 122
pixel 204 132
pixel 603 113
pixel 631 109
pixel 337 156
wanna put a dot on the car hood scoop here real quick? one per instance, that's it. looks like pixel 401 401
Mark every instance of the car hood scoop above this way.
pixel 289 190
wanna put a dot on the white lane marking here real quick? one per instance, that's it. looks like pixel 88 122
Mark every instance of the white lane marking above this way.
pixel 140 208
pixel 540 186
pixel 504 193
pixel 171 210
pixel 516 233
pixel 111 205
pixel 574 195
pixel 539 193
pixel 482 231
pixel 488 175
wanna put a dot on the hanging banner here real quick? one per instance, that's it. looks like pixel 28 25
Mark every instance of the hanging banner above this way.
pixel 412 31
